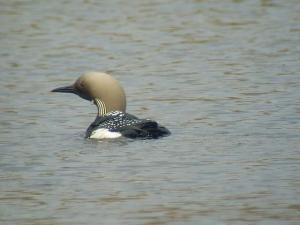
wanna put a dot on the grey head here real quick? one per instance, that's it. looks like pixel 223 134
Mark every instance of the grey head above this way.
pixel 101 88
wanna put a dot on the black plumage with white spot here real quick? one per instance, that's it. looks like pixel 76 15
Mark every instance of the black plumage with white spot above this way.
pixel 128 126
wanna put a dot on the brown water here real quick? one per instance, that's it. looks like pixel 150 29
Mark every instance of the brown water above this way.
pixel 223 76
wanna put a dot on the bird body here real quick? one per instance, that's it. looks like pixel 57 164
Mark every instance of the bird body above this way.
pixel 112 120
pixel 116 124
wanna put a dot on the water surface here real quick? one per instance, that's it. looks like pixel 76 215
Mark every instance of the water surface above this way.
pixel 223 76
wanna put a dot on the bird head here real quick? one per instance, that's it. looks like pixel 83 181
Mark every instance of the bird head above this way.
pixel 101 88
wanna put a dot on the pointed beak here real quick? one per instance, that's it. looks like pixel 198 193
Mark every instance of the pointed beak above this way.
pixel 66 89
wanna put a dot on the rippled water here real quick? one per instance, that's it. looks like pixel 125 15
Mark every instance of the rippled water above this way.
pixel 223 76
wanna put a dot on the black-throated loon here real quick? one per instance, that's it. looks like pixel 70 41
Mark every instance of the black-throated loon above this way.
pixel 112 121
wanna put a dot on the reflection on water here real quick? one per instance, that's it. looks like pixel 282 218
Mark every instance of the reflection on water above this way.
pixel 222 76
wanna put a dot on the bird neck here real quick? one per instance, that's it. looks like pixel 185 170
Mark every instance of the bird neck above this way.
pixel 101 107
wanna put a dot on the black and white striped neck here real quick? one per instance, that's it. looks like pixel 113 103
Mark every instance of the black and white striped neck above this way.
pixel 101 107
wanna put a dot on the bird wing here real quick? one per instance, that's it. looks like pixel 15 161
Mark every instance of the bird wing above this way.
pixel 143 129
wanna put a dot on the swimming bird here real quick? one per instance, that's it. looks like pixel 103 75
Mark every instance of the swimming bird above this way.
pixel 112 121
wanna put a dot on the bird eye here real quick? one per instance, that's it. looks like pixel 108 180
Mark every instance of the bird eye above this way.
pixel 81 86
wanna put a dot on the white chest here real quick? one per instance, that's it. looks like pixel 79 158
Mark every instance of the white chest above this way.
pixel 103 133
